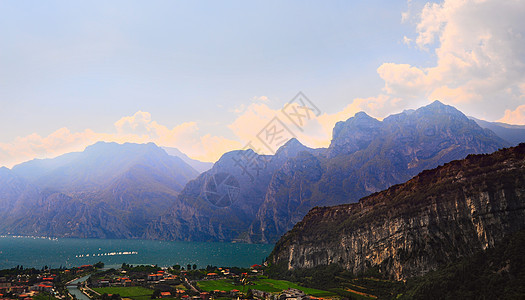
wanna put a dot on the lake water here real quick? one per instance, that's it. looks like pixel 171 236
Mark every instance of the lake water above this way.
pixel 38 252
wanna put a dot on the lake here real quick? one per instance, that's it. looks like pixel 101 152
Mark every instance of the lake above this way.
pixel 70 252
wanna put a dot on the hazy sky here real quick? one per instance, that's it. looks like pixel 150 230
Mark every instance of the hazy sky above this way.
pixel 208 76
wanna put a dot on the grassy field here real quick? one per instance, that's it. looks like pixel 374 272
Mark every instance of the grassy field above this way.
pixel 267 285
pixel 44 296
pixel 133 292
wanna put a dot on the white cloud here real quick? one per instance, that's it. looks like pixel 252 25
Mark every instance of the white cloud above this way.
pixel 141 128
pixel 479 51
pixel 262 99
pixel 138 128
pixel 36 146
pixel 516 116
pixel 316 132
pixel 257 116
pixel 480 57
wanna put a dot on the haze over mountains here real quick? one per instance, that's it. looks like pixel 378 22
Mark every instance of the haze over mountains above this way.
pixel 200 166
pixel 107 191
pixel 514 134
pixel 140 191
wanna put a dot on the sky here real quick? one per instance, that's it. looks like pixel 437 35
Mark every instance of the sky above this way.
pixel 208 77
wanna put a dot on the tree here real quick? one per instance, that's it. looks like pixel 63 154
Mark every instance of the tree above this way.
pixel 176 267
pixel 188 267
pixel 156 294
pixel 194 267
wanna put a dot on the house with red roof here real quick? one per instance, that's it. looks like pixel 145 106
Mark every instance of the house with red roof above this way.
pixel 165 294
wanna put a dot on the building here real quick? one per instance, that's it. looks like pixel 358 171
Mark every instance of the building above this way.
pixel 165 294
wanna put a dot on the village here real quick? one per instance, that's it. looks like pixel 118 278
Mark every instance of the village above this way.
pixel 144 282
pixel 31 283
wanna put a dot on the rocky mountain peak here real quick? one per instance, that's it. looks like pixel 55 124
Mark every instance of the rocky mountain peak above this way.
pixel 438 107
pixel 411 228
pixel 354 134
pixel 291 148
pixel 4 171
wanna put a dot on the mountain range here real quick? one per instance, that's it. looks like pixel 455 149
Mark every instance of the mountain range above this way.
pixel 199 166
pixel 440 215
pixel 107 191
pixel 140 191
pixel 514 134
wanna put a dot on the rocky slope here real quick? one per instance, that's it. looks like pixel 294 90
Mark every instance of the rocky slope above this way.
pixel 139 191
pixel 221 203
pixel 411 228
pixel 366 156
pixel 107 191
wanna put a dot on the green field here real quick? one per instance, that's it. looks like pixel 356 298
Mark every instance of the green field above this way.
pixel 44 296
pixel 133 292
pixel 267 285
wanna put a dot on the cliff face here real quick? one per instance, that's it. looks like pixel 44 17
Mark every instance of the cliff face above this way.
pixel 220 204
pixel 367 156
pixel 139 191
pixel 409 229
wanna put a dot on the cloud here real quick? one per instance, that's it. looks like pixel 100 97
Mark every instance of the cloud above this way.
pixel 57 143
pixel 262 99
pixel 138 128
pixel 141 128
pixel 479 48
pixel 257 117
pixel 516 116
pixel 316 131
pixel 186 137
pixel 139 123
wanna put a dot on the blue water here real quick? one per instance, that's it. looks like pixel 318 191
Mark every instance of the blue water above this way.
pixel 68 252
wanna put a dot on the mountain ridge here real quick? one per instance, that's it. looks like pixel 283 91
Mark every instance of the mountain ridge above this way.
pixel 366 156
pixel 109 190
pixel 140 191
pixel 411 228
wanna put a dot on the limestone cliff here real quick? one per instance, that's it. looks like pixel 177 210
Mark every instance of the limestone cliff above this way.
pixel 411 228
pixel 366 156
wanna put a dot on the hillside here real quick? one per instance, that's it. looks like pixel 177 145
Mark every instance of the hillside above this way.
pixel 366 156
pixel 107 191
pixel 140 191
pixel 514 134
pixel 409 229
